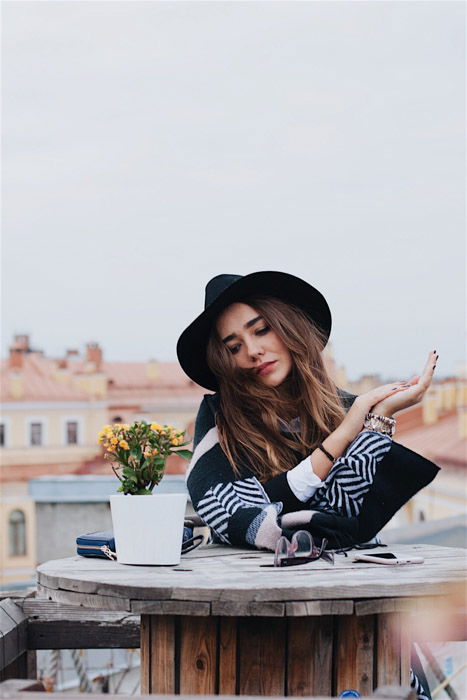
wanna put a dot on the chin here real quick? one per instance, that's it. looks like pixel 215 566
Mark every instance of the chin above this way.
pixel 272 381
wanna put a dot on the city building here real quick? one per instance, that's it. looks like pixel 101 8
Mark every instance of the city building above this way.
pixel 52 411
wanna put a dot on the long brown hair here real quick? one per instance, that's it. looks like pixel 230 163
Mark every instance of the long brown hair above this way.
pixel 251 414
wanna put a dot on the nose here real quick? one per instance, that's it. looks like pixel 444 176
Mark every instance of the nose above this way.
pixel 254 347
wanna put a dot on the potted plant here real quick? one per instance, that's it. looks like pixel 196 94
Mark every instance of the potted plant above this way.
pixel 148 528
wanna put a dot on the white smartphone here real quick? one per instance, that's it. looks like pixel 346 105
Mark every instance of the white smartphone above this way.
pixel 387 558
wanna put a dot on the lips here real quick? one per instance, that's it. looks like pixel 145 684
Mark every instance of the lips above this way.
pixel 266 367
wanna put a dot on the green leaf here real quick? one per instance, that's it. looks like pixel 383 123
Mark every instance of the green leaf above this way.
pixel 136 452
pixel 186 454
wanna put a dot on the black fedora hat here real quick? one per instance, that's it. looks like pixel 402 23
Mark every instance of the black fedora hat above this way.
pixel 224 290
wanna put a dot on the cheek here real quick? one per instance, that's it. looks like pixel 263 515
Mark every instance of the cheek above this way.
pixel 286 357
pixel 282 350
pixel 238 360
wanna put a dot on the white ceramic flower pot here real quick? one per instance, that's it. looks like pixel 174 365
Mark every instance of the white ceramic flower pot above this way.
pixel 148 530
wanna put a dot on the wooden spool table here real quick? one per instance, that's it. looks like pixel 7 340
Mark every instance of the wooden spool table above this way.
pixel 223 623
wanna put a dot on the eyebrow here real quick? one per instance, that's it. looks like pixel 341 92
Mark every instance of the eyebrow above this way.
pixel 248 324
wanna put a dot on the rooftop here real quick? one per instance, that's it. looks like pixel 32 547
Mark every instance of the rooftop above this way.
pixel 28 375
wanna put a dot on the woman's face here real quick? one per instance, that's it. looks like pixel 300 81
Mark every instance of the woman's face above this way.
pixel 253 344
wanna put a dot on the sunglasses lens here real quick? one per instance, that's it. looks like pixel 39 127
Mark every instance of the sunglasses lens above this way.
pixel 282 550
pixel 302 543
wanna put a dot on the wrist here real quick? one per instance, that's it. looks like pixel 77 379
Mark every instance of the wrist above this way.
pixel 344 435
pixel 382 410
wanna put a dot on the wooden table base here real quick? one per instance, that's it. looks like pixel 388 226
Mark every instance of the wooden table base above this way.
pixel 299 656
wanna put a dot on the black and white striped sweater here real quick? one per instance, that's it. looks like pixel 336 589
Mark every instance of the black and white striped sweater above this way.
pixel 242 511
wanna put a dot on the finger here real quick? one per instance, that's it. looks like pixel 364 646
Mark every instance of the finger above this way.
pixel 405 387
pixel 431 362
pixel 429 369
pixel 390 391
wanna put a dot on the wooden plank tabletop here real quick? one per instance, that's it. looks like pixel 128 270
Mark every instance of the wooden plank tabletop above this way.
pixel 221 580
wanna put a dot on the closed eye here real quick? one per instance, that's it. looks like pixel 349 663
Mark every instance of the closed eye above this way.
pixel 260 331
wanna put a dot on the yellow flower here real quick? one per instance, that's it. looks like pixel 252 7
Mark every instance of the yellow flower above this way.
pixel 113 441
pixel 106 427
pixel 174 441
pixel 124 444
pixel 125 426
pixel 117 425
pixel 155 452
pixel 156 426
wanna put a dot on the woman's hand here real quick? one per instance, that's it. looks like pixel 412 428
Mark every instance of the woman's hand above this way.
pixel 410 396
pixel 387 399
pixel 363 404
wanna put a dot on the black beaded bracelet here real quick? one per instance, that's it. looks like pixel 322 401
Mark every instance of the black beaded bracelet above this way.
pixel 328 454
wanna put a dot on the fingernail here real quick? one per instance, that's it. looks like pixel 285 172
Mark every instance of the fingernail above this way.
pixel 434 351
pixel 434 366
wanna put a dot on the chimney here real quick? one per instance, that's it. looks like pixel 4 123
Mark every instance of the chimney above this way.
pixel 94 356
pixel 16 358
pixel 17 352
pixel 21 342
pixel 72 352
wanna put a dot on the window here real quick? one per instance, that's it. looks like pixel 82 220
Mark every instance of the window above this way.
pixel 35 434
pixel 17 534
pixel 72 432
pixel 2 434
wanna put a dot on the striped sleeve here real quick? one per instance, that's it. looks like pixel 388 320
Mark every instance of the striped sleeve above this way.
pixel 352 475
pixel 238 510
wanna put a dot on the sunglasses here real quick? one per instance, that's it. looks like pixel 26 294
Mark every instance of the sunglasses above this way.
pixel 300 550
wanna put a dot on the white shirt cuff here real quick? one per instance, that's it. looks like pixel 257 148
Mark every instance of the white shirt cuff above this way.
pixel 303 481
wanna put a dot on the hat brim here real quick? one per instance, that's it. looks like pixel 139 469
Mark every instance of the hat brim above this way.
pixel 192 344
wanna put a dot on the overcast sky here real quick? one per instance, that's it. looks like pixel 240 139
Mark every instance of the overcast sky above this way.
pixel 149 146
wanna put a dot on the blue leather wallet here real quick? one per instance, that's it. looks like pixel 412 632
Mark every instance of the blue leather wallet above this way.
pixel 96 544
pixel 102 544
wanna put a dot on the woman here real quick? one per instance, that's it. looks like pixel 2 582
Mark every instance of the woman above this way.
pixel 278 447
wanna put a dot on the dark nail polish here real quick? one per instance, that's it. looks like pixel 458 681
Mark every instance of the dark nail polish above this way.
pixel 434 366
pixel 434 350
